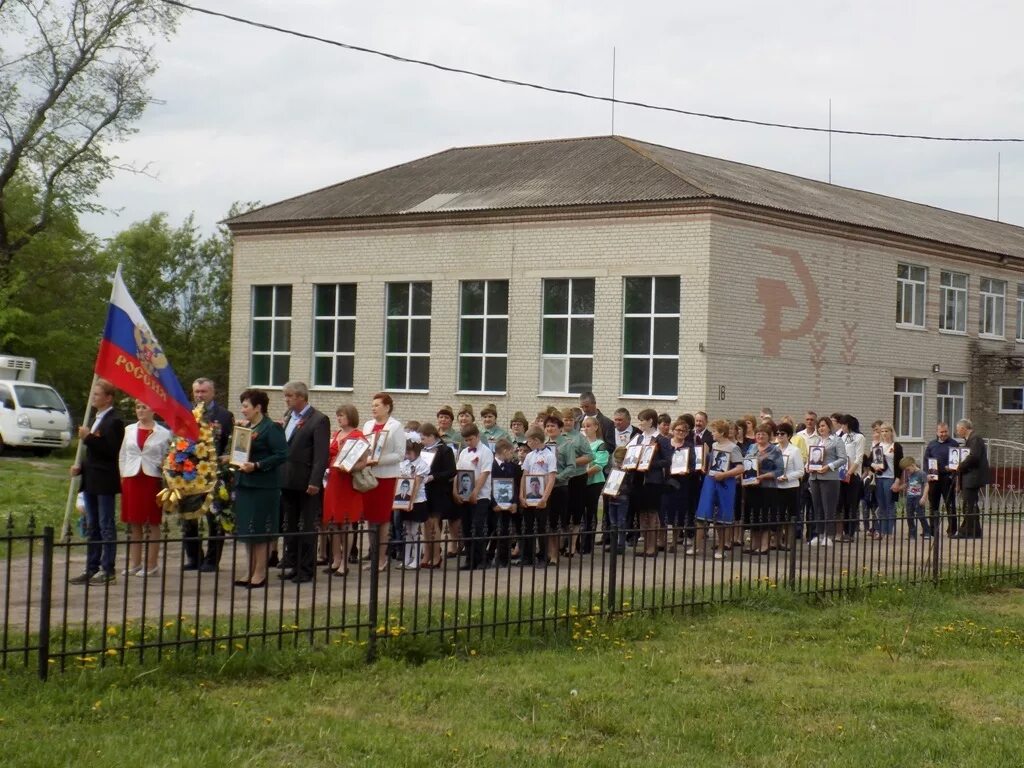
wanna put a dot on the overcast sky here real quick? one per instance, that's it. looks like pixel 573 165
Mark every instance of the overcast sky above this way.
pixel 251 115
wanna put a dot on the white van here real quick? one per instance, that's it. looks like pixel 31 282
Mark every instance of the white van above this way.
pixel 33 416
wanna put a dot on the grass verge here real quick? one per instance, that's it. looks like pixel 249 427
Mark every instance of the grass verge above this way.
pixel 914 678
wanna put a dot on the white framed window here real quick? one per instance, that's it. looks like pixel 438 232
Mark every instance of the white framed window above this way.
pixel 567 337
pixel 1011 399
pixel 271 338
pixel 650 337
pixel 334 335
pixel 407 337
pixel 911 281
pixel 908 408
pixel 483 336
pixel 953 302
pixel 950 403
pixel 1020 312
pixel 991 313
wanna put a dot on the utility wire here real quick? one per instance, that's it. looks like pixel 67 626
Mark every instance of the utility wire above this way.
pixel 580 94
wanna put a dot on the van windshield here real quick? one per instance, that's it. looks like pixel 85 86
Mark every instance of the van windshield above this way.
pixel 39 397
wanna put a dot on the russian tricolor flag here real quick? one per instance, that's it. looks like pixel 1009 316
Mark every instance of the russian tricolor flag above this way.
pixel 131 359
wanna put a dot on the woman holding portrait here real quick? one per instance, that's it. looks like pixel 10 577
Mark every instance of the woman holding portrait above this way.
pixel 384 465
pixel 440 506
pixel 258 487
pixel 343 504
pixel 787 490
pixel 760 509
pixel 886 462
pixel 824 481
pixel 649 483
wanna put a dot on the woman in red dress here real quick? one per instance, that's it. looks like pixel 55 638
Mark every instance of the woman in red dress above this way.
pixel 141 464
pixel 343 505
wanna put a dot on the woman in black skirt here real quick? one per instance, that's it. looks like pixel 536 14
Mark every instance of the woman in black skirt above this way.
pixel 760 510
pixel 439 493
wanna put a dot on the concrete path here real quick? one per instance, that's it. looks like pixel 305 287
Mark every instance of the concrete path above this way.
pixel 190 600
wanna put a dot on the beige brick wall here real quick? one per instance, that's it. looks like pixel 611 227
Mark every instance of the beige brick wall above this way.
pixel 524 254
pixel 734 275
pixel 845 359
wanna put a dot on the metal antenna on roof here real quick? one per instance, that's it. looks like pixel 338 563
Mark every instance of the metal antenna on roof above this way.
pixel 830 141
pixel 999 178
pixel 613 90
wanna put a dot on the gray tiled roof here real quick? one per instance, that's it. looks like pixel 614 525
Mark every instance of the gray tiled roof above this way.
pixel 615 169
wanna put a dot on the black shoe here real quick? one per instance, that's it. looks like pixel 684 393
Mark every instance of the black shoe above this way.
pixel 82 578
pixel 322 561
pixel 467 567
pixel 300 579
pixel 261 585
pixel 190 567
pixel 242 583
pixel 286 574
pixel 273 560
pixel 207 568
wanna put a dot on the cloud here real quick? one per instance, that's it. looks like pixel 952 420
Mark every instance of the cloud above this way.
pixel 252 115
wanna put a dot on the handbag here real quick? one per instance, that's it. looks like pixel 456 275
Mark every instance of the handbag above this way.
pixel 363 480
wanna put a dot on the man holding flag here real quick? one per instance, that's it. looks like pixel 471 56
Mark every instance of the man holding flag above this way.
pixel 130 358
pixel 101 482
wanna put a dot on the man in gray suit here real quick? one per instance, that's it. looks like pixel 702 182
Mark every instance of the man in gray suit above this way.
pixel 974 475
pixel 309 434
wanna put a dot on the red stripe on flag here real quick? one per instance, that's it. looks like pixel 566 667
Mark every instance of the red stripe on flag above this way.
pixel 126 372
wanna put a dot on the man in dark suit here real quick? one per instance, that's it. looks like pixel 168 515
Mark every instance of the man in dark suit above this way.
pixel 101 482
pixel 974 475
pixel 943 489
pixel 701 433
pixel 223 422
pixel 309 434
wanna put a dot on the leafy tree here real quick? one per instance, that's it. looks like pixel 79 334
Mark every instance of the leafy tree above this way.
pixel 73 79
pixel 54 309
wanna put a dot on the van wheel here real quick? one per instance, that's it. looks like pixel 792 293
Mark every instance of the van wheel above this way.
pixel 42 452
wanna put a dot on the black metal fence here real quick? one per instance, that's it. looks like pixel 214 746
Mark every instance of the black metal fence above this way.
pixel 49 623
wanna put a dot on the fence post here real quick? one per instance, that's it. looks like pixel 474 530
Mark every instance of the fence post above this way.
pixel 45 586
pixel 791 554
pixel 371 643
pixel 613 572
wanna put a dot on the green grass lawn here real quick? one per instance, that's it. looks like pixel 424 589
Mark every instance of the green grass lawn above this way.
pixel 33 486
pixel 902 678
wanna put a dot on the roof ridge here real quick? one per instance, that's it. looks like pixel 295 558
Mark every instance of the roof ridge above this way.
pixel 632 144
pixel 562 140
pixel 825 184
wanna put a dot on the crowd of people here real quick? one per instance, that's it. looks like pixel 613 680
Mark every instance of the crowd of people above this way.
pixel 547 488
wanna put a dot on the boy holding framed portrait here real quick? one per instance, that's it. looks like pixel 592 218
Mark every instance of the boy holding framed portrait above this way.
pixel 473 494
pixel 504 482
pixel 535 485
pixel 616 491
pixel 410 502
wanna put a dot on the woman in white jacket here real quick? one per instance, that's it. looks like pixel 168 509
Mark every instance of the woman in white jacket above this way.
pixel 384 463
pixel 141 461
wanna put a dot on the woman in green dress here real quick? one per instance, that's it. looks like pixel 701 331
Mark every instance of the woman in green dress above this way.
pixel 258 490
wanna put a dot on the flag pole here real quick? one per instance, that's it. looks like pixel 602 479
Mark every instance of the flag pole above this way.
pixel 76 479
